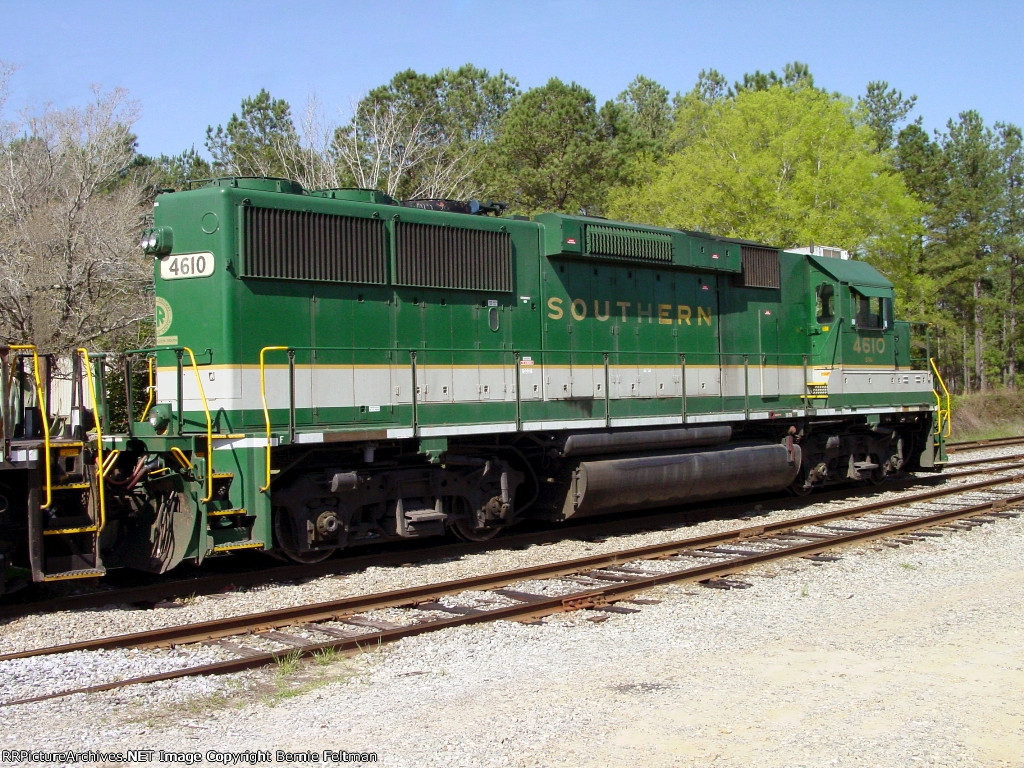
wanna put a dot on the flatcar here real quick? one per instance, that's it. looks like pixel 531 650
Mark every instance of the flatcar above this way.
pixel 334 368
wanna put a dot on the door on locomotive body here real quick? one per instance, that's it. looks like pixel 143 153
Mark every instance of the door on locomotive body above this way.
pixel 354 370
pixel 868 341
pixel 626 341
pixel 484 369
pixel 768 361
pixel 568 338
pixel 424 322
pixel 698 329
pixel 823 328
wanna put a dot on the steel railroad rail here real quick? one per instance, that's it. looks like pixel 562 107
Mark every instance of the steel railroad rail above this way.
pixel 605 580
pixel 972 445
pixel 168 588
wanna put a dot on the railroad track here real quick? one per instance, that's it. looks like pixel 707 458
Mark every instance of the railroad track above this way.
pixel 167 588
pixel 972 445
pixel 601 582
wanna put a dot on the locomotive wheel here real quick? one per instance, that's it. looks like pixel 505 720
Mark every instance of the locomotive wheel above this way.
pixel 287 550
pixel 466 532
pixel 877 475
pixel 798 487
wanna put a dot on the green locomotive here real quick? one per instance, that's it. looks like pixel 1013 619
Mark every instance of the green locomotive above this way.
pixel 335 368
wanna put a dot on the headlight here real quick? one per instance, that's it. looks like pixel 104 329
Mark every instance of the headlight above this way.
pixel 157 241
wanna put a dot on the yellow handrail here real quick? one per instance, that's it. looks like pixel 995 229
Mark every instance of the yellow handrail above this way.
pixel 46 422
pixel 209 428
pixel 152 388
pixel 177 453
pixel 100 468
pixel 944 415
pixel 266 409
pixel 110 461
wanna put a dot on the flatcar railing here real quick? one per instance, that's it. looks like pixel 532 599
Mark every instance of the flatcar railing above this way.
pixel 101 465
pixel 44 418
pixel 5 430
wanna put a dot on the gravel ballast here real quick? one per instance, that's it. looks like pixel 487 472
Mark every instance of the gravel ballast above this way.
pixel 906 656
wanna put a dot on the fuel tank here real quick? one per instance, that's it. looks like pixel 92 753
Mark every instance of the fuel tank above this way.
pixel 681 477
pixel 591 443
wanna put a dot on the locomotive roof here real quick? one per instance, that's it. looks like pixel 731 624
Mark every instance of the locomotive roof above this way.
pixel 850 271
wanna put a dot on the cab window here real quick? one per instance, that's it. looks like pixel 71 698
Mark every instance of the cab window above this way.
pixel 825 311
pixel 871 313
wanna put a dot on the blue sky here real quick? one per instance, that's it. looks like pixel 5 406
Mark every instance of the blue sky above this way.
pixel 190 63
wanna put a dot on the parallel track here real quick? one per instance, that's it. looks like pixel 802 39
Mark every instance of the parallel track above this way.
pixel 606 579
pixel 972 445
pixel 168 588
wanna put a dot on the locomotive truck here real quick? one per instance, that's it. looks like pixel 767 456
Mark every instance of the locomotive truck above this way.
pixel 334 368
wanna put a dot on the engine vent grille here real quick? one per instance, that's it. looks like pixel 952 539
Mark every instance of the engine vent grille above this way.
pixel 628 244
pixel 447 257
pixel 760 267
pixel 300 245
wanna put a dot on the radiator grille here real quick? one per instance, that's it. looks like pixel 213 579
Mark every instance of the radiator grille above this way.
pixel 446 257
pixel 628 244
pixel 300 245
pixel 760 267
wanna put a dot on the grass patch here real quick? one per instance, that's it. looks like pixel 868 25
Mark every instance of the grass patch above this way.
pixel 987 415
pixel 270 686
pixel 289 663
pixel 326 656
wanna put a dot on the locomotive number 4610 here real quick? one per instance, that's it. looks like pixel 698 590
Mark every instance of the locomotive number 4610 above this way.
pixel 186 265
pixel 869 345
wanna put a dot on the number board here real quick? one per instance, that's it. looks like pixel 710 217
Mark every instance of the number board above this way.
pixel 186 265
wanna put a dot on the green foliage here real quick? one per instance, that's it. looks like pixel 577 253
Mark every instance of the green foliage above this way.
pixel 795 74
pixel 551 152
pixel 787 165
pixel 253 142
pixel 647 116
pixel 176 171
pixel 961 176
pixel 883 108
pixel 422 136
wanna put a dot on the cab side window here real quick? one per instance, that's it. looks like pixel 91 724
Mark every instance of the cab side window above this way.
pixel 825 311
pixel 871 313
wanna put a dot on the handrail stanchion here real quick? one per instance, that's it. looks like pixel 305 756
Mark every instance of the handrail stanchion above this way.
pixel 209 426
pixel 682 373
pixel 100 468
pixel 946 414
pixel 151 387
pixel 263 397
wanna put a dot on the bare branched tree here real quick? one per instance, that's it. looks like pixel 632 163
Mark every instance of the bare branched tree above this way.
pixel 310 160
pixel 418 136
pixel 386 146
pixel 382 147
pixel 71 208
